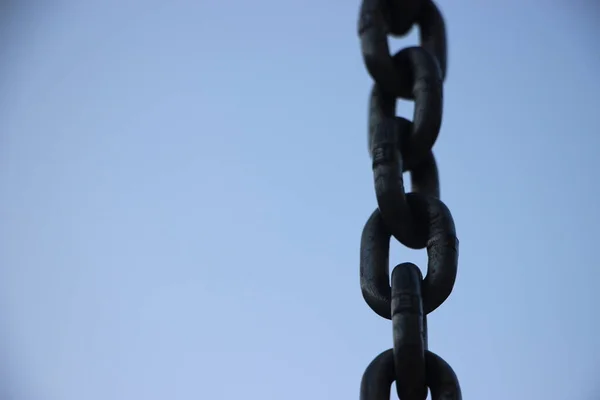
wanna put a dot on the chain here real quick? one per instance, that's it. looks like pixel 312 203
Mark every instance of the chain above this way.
pixel 418 219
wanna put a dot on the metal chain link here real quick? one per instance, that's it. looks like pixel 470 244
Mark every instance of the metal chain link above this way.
pixel 418 219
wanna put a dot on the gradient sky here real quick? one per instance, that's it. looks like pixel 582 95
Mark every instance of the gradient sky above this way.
pixel 184 186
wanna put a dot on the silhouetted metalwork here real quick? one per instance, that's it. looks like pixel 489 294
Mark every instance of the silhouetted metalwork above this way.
pixel 418 219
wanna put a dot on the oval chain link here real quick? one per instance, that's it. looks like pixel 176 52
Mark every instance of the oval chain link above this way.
pixel 418 219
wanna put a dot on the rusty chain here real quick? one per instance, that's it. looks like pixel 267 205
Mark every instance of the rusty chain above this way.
pixel 418 219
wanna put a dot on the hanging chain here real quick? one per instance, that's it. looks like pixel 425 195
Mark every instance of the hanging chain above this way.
pixel 418 219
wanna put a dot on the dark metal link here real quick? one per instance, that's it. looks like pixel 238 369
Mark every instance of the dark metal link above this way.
pixel 380 374
pixel 424 175
pixel 408 330
pixel 389 187
pixel 373 28
pixel 417 138
pixel 442 252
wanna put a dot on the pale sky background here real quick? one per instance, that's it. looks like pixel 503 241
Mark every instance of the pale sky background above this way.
pixel 184 185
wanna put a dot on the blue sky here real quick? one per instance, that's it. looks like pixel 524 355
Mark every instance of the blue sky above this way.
pixel 184 186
